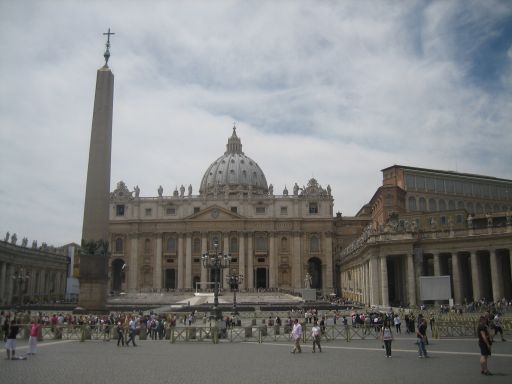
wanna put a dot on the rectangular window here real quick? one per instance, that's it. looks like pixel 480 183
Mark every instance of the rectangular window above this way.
pixel 261 259
pixel 420 183
pixel 443 220
pixel 197 209
pixel 148 211
pixel 261 244
pixel 234 209
pixel 260 210
pixel 120 210
pixel 431 184
pixel 170 211
pixel 409 182
pixel 284 210
pixel 459 219
pixel 313 208
pixel 439 185
pixel 197 260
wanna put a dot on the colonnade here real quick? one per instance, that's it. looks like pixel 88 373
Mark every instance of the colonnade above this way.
pixel 21 283
pixel 476 273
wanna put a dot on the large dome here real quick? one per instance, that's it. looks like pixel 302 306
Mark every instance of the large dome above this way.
pixel 233 173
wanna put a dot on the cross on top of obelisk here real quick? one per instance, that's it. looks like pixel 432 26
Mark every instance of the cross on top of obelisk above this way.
pixel 106 55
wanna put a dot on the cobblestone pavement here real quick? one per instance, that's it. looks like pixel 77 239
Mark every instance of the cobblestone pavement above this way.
pixel 360 361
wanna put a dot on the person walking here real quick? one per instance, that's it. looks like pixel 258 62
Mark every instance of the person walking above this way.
pixel 484 342
pixel 10 344
pixel 498 327
pixel 32 340
pixel 421 334
pixel 316 333
pixel 387 337
pixel 132 327
pixel 296 335
pixel 398 323
pixel 120 333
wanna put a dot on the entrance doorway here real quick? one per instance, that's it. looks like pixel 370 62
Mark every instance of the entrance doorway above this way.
pixel 315 270
pixel 170 279
pixel 117 275
pixel 261 278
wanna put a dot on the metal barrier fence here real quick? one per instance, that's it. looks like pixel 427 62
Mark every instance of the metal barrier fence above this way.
pixel 249 333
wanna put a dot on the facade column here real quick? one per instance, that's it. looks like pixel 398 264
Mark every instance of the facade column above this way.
pixel 133 265
pixel 250 261
pixel 374 279
pixel 272 262
pixel 496 277
pixel 384 281
pixel 188 261
pixel 475 276
pixel 181 261
pixel 241 260
pixel 157 283
pixel 327 250
pixel 457 288
pixel 204 250
pixel 411 280
pixel 225 271
pixel 296 262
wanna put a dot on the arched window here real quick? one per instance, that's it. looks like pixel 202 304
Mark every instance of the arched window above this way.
pixel 460 205
pixel 284 244
pixel 196 245
pixel 451 205
pixel 171 245
pixel 233 244
pixel 412 203
pixel 442 205
pixel 314 244
pixel 119 245
pixel 432 205
pixel 423 204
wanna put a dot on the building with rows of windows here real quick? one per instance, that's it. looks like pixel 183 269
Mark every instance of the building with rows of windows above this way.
pixel 427 222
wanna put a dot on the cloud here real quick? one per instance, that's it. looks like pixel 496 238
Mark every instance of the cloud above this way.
pixel 331 90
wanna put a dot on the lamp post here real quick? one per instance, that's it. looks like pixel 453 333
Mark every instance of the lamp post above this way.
pixel 234 281
pixel 20 277
pixel 215 261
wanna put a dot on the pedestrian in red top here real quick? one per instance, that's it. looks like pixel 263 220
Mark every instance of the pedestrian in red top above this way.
pixel 32 340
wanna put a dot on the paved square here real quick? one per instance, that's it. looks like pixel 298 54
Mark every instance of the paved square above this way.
pixel 360 361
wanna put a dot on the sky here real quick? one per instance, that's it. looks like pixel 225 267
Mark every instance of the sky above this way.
pixel 335 90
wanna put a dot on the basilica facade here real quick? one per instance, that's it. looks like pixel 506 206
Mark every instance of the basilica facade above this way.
pixel 273 239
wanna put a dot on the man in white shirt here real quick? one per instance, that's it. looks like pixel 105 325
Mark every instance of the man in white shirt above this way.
pixel 315 333
pixel 296 335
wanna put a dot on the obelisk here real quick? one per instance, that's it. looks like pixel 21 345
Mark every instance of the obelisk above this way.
pixel 94 254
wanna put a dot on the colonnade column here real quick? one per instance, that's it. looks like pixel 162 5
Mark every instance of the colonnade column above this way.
pixel 225 271
pixel 272 262
pixel 241 259
pixel 384 281
pixel 132 265
pixel 204 249
pixel 496 277
pixel 10 283
pixel 374 280
pixel 181 266
pixel 457 288
pixel 157 283
pixel 188 261
pixel 2 282
pixel 437 265
pixel 250 262
pixel 475 276
pixel 411 280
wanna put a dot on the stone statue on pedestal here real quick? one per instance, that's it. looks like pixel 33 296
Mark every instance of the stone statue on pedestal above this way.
pixel 308 280
pixel 182 191
pixel 160 191
pixel 136 190
pixel 14 239
pixel 7 235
